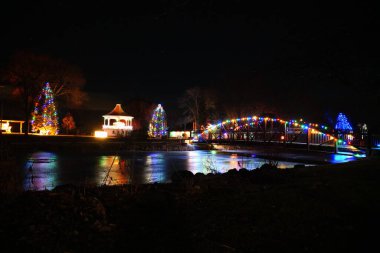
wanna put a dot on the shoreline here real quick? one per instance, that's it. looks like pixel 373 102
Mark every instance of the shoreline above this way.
pixel 87 145
pixel 329 207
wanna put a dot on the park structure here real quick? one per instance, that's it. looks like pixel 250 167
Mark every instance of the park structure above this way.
pixel 117 123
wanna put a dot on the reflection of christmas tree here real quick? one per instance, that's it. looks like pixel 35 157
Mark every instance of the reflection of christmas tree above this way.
pixel 342 123
pixel 157 125
pixel 44 116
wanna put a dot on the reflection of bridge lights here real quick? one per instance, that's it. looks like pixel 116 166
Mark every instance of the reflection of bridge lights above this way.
pixel 338 158
pixel 234 156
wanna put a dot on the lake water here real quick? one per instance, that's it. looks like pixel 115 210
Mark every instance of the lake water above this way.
pixel 45 170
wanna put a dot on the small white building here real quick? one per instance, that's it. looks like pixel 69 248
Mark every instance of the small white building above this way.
pixel 117 123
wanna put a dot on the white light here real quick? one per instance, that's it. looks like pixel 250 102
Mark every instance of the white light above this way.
pixel 101 134
pixel 119 124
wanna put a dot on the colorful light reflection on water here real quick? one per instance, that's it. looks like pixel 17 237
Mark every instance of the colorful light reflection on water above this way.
pixel 41 171
pixel 342 158
pixel 52 169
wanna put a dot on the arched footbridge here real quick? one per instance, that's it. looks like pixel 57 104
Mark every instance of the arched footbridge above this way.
pixel 268 130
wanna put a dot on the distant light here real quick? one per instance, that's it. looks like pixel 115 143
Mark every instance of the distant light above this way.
pixel 101 134
pixel 282 137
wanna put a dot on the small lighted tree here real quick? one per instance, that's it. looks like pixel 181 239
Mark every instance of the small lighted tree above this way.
pixel 68 123
pixel 157 125
pixel 342 124
pixel 44 116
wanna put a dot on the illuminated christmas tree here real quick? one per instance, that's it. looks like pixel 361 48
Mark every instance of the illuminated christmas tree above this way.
pixel 342 124
pixel 157 125
pixel 44 117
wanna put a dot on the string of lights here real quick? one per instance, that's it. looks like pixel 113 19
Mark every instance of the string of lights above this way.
pixel 44 116
pixel 250 121
pixel 158 125
pixel 342 123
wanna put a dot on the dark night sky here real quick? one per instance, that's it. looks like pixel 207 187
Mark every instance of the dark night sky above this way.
pixel 307 59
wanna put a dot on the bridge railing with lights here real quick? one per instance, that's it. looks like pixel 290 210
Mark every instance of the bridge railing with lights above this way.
pixel 274 130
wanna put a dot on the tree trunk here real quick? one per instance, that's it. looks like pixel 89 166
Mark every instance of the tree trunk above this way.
pixel 27 93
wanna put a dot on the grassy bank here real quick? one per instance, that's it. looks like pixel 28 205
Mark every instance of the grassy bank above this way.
pixel 314 209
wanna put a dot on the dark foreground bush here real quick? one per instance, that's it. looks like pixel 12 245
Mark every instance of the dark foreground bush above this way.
pixel 11 179
pixel 183 177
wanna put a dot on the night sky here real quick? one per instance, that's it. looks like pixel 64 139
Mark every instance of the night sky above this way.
pixel 308 59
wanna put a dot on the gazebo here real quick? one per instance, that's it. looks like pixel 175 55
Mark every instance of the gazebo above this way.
pixel 117 122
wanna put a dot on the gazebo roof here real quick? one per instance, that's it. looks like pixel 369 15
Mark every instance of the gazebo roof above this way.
pixel 117 111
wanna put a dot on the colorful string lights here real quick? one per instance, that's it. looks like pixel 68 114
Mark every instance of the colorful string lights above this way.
pixel 158 125
pixel 342 123
pixel 44 116
pixel 240 123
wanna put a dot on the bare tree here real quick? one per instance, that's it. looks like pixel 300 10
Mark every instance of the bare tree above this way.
pixel 199 106
pixel 190 103
pixel 28 72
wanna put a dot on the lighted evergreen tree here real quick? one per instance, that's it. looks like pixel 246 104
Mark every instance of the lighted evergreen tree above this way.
pixel 157 125
pixel 44 116
pixel 342 124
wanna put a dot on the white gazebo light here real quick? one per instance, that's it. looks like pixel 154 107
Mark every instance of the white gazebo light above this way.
pixel 117 122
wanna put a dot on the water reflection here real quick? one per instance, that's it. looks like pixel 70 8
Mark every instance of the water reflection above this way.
pixel 48 170
pixel 112 170
pixel 339 158
pixel 40 171
pixel 155 168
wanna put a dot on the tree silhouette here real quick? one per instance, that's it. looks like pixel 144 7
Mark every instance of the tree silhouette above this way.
pixel 28 71
pixel 198 106
pixel 68 123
